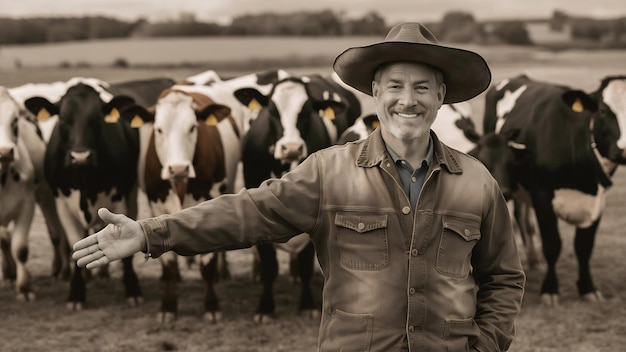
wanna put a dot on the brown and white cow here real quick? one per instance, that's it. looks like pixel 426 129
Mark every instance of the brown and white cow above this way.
pixel 191 155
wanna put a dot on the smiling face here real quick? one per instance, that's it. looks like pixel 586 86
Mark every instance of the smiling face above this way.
pixel 408 96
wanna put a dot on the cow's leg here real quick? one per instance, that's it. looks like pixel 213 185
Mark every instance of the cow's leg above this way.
pixel 19 250
pixel 269 272
pixel 61 258
pixel 551 242
pixel 526 222
pixel 306 262
pixel 170 278
pixel 134 296
pixel 9 272
pixel 583 246
pixel 209 271
pixel 78 290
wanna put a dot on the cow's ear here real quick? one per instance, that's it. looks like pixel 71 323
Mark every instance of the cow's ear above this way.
pixel 251 98
pixel 213 114
pixel 112 109
pixel 579 101
pixel 329 109
pixel 136 115
pixel 371 121
pixel 41 107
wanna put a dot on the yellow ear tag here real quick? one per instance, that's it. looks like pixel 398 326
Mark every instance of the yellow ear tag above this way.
pixel 136 122
pixel 375 124
pixel 113 116
pixel 211 120
pixel 254 105
pixel 577 106
pixel 329 113
pixel 43 115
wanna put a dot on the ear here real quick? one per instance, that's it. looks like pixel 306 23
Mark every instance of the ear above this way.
pixel 251 98
pixel 136 115
pixel 41 107
pixel 329 109
pixel 113 108
pixel 374 89
pixel 579 101
pixel 213 114
pixel 442 93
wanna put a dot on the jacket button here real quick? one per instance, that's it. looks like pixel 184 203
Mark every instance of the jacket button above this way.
pixel 414 252
pixel 406 210
pixel 360 226
pixel 412 291
pixel 467 232
pixel 411 328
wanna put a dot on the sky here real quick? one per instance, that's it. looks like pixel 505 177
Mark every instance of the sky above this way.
pixel 393 11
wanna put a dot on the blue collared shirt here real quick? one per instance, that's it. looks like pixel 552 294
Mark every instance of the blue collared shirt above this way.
pixel 412 180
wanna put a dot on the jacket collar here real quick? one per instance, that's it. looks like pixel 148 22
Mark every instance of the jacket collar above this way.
pixel 373 152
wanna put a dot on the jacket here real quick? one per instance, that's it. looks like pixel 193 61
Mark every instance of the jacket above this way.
pixel 446 275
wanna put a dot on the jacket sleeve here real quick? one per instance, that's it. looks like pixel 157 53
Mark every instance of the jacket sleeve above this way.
pixel 499 274
pixel 274 212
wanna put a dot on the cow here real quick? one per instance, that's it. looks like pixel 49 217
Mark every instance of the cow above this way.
pixel 299 116
pixel 566 145
pixel 192 151
pixel 90 162
pixel 22 186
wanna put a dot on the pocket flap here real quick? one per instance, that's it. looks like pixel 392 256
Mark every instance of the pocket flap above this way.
pixel 466 228
pixel 361 223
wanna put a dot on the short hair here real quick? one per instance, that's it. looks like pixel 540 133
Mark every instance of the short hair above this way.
pixel 438 74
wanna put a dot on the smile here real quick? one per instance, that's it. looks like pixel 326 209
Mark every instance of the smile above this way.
pixel 406 115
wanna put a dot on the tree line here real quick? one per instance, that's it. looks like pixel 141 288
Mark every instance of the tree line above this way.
pixel 455 26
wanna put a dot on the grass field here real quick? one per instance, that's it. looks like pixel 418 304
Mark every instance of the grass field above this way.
pixel 109 325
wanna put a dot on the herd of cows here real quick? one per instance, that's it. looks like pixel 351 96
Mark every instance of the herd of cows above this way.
pixel 73 147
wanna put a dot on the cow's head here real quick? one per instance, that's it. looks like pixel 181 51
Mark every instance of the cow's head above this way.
pixel 608 108
pixel 10 113
pixel 301 117
pixel 177 125
pixel 84 121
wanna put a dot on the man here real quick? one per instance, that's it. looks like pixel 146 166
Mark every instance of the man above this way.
pixel 414 238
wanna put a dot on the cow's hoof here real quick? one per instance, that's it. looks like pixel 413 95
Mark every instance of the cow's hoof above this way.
pixel 309 313
pixel 166 317
pixel 134 301
pixel 263 318
pixel 75 306
pixel 213 317
pixel 550 299
pixel 27 296
pixel 593 297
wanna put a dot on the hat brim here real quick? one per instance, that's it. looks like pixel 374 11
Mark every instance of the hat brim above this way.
pixel 465 73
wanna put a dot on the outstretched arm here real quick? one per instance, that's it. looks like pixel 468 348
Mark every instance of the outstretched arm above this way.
pixel 121 238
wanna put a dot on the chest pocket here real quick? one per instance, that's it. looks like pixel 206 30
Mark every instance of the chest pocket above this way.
pixel 362 240
pixel 458 238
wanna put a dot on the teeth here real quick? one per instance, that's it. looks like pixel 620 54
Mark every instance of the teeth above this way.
pixel 401 114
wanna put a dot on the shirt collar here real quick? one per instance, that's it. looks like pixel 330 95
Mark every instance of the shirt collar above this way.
pixel 428 159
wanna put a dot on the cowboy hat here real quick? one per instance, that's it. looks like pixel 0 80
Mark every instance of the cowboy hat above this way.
pixel 465 73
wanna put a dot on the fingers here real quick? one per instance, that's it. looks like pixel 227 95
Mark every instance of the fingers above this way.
pixel 79 253
pixel 85 243
pixel 112 218
pixel 91 260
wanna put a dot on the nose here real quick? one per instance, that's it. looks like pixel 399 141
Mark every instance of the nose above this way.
pixel 408 97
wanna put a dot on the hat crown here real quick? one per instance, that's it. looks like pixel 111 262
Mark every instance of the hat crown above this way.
pixel 411 33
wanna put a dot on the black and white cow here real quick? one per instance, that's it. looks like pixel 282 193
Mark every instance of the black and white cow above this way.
pixel 91 162
pixel 567 145
pixel 193 148
pixel 300 115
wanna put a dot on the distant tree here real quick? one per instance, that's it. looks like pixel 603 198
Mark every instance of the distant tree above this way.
pixel 370 24
pixel 558 21
pixel 512 32
pixel 460 27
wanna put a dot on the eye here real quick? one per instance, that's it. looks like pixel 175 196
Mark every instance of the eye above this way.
pixel 192 129
pixel 159 130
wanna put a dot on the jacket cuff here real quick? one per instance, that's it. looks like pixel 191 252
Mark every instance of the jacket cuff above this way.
pixel 157 237
pixel 485 344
